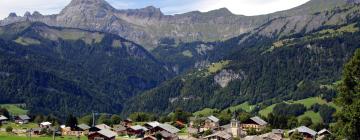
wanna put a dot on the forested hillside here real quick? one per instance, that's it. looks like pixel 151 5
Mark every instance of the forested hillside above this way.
pixel 63 70
pixel 260 70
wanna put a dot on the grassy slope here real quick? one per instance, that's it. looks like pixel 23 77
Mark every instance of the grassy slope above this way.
pixel 307 103
pixel 205 112
pixel 18 126
pixel 14 109
pixel 244 106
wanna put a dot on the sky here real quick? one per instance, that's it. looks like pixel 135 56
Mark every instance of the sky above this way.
pixel 241 7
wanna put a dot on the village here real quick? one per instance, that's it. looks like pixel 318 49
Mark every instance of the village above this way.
pixel 198 128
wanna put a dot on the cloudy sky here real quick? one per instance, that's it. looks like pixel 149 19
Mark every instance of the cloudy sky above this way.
pixel 244 7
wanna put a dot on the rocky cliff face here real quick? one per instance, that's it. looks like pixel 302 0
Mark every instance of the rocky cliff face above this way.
pixel 149 25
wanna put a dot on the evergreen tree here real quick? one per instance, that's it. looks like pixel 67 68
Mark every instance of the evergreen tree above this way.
pixel 349 99
pixel 71 121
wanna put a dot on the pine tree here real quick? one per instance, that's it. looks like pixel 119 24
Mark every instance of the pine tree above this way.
pixel 349 99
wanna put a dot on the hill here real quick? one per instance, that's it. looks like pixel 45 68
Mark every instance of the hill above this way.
pixel 65 70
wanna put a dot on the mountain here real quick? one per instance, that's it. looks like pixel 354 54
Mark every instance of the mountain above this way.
pixel 281 60
pixel 149 26
pixel 65 70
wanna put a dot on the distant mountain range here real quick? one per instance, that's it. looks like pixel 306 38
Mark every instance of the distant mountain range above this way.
pixel 92 56
pixel 149 26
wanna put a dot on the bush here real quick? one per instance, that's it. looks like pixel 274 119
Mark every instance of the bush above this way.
pixel 9 129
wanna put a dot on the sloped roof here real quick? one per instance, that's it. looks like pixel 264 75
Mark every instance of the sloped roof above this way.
pixel 324 131
pixel 45 123
pixel 139 127
pixel 3 118
pixel 102 126
pixel 221 134
pixel 169 128
pixel 153 124
pixel 304 129
pixel 24 117
pixel 166 134
pixel 213 118
pixel 83 126
pixel 258 120
pixel 107 133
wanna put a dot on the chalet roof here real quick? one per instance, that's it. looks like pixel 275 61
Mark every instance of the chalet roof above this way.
pixel 166 134
pixel 119 128
pixel 221 134
pixel 24 117
pixel 2 118
pixel 169 128
pixel 83 126
pixel 107 133
pixel 213 118
pixel 258 120
pixel 271 136
pixel 139 127
pixel 304 129
pixel 45 123
pixel 324 131
pixel 102 126
pixel 253 138
pixel 153 124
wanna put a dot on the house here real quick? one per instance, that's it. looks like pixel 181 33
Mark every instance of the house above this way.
pixel 254 123
pixel 103 134
pixel 136 130
pixel 45 125
pixel 120 129
pixel 167 131
pixel 79 130
pixel 308 133
pixel 211 122
pixel 3 119
pixel 219 135
pixel 149 138
pixel 322 134
pixel 22 119
pixel 194 119
pixel 151 126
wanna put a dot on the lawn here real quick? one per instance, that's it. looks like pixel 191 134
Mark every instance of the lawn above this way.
pixel 14 109
pixel 244 106
pixel 205 112
pixel 20 126
pixel 310 101
pixel 315 117
pixel 266 111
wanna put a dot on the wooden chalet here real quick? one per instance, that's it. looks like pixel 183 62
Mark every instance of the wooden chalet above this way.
pixel 254 123
pixel 22 119
pixel 167 131
pixel 103 134
pixel 45 125
pixel 308 133
pixel 79 130
pixel 322 134
pixel 136 130
pixel 120 129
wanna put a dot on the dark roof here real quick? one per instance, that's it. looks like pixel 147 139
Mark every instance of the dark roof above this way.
pixel 258 120
pixel 24 117
pixel 83 126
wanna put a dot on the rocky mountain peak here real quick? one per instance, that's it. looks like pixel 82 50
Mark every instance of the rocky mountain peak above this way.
pixel 93 7
pixel 221 12
pixel 12 15
pixel 149 11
